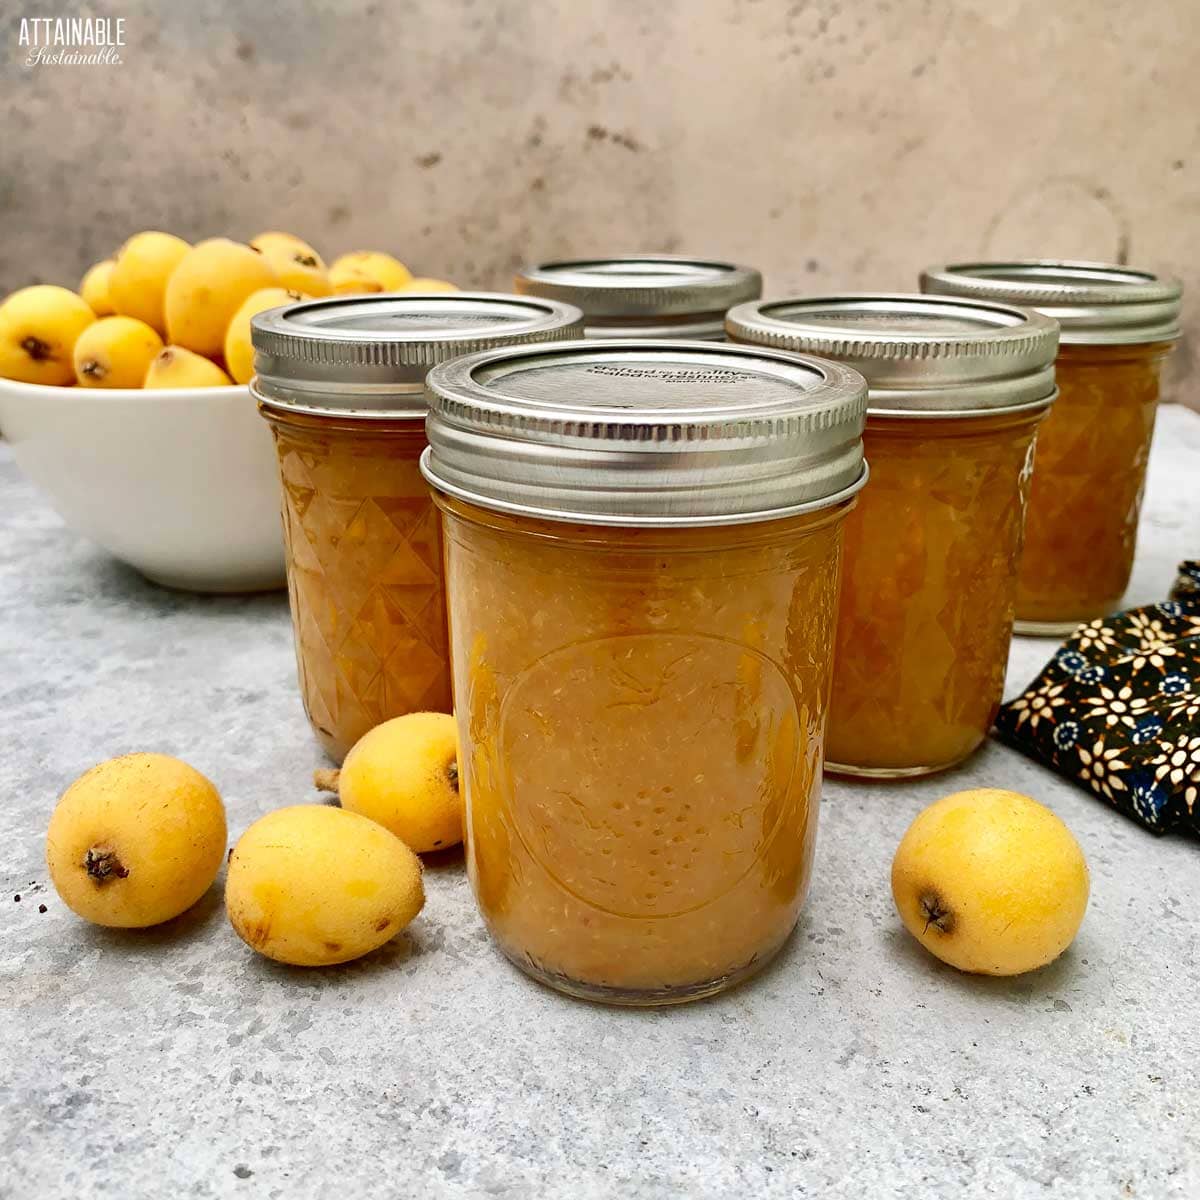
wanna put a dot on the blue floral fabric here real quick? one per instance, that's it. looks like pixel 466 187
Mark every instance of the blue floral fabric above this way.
pixel 1117 710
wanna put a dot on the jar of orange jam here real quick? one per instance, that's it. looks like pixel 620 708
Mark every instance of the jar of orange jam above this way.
pixel 341 382
pixel 1118 325
pixel 645 295
pixel 957 389
pixel 642 553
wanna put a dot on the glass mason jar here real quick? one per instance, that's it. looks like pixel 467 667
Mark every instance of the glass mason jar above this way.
pixel 642 553
pixel 341 382
pixel 957 389
pixel 1118 325
pixel 645 295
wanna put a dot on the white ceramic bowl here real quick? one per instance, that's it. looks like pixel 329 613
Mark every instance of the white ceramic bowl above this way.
pixel 180 483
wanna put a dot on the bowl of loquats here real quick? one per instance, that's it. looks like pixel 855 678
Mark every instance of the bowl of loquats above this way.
pixel 126 403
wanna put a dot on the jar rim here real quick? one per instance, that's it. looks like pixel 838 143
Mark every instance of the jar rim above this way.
pixel 631 521
pixel 918 352
pixel 638 431
pixel 366 357
pixel 1095 303
pixel 642 285
pixel 964 414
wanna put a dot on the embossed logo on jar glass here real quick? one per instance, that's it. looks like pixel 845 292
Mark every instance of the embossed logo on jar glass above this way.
pixel 648 773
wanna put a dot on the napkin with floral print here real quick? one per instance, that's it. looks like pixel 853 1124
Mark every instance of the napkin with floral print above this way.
pixel 1117 710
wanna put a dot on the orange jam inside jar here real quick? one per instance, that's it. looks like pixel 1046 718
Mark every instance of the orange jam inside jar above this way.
pixel 1118 325
pixel 957 390
pixel 927 604
pixel 364 552
pixel 341 382
pixel 645 295
pixel 1081 533
pixel 642 553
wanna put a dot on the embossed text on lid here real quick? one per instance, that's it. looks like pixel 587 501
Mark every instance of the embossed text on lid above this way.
pixel 645 432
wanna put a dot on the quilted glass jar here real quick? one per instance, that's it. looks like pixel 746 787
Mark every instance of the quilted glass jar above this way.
pixel 642 555
pixel 341 383
pixel 645 295
pixel 1118 325
pixel 957 390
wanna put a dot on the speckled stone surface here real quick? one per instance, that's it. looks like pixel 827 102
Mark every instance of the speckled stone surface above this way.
pixel 176 1063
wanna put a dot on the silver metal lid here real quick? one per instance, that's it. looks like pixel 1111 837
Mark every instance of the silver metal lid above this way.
pixel 1096 304
pixel 640 432
pixel 367 356
pixel 709 327
pixel 642 285
pixel 920 354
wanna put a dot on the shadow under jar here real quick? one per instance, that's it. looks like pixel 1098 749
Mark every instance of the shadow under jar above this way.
pixel 341 382
pixel 645 295
pixel 642 554
pixel 957 389
pixel 1118 325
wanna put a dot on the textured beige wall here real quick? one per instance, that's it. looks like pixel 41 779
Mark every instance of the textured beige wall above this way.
pixel 833 143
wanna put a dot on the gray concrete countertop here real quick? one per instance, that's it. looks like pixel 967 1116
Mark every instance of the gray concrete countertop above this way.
pixel 174 1062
